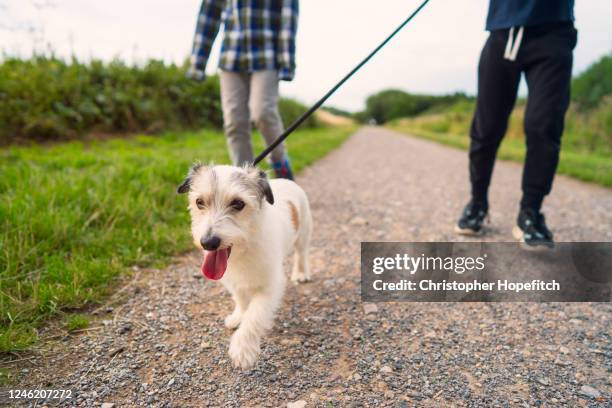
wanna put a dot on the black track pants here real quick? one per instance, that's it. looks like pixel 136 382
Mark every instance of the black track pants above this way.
pixel 545 57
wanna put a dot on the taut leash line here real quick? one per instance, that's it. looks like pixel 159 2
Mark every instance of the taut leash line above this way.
pixel 317 105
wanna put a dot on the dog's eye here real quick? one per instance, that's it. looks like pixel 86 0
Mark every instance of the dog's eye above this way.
pixel 237 204
pixel 200 203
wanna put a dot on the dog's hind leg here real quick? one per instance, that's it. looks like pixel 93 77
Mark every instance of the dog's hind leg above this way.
pixel 257 319
pixel 240 304
pixel 301 266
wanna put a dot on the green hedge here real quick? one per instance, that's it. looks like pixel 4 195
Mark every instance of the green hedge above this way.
pixel 594 84
pixel 391 104
pixel 47 98
pixel 291 110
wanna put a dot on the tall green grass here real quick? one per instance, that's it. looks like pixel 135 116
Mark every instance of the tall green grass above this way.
pixel 75 216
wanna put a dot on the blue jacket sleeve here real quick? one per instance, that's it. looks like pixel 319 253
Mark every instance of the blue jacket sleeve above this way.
pixel 207 28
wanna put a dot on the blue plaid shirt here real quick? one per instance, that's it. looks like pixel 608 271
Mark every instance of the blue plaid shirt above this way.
pixel 258 35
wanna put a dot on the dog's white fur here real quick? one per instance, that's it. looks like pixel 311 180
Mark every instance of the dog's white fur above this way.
pixel 261 236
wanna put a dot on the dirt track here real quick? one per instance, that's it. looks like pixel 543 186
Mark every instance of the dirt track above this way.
pixel 164 344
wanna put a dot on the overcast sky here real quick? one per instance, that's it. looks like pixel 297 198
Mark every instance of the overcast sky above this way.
pixel 436 53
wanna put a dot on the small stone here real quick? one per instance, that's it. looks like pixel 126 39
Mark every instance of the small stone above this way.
pixel 386 369
pixel 296 404
pixel 589 391
pixel 358 221
pixel 116 351
pixel 564 350
pixel 412 394
pixel 205 345
pixel 543 381
pixel 108 405
pixel 356 377
pixel 370 308
pixel 328 283
pixel 171 382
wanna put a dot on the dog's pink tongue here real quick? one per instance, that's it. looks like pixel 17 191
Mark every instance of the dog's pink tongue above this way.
pixel 215 264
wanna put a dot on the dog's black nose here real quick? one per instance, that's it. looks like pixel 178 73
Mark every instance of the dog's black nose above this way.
pixel 210 243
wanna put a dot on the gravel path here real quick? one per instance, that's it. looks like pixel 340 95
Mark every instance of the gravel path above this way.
pixel 163 342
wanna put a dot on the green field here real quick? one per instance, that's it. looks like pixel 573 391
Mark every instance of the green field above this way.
pixel 75 216
pixel 586 152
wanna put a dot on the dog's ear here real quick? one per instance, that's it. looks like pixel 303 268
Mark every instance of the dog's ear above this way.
pixel 265 187
pixel 186 184
pixel 259 181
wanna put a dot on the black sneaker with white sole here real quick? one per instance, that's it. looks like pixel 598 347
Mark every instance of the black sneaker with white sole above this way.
pixel 531 230
pixel 472 218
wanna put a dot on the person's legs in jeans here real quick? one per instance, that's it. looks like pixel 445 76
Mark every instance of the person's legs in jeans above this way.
pixel 498 81
pixel 264 112
pixel 263 104
pixel 236 122
pixel 548 80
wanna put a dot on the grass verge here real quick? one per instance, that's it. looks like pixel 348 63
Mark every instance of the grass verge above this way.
pixel 74 216
pixel 586 166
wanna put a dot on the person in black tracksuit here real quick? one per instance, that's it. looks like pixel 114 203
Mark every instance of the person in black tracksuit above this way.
pixel 534 38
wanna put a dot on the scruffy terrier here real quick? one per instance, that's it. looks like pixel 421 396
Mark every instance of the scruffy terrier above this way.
pixel 247 226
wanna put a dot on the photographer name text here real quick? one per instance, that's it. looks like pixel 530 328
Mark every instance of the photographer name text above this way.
pixel 473 286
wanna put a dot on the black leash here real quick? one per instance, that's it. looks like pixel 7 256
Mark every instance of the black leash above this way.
pixel 317 105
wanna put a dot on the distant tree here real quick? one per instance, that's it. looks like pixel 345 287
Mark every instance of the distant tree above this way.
pixel 393 103
pixel 592 85
pixel 339 112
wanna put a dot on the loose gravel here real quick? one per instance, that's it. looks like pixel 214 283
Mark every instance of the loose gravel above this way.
pixel 162 342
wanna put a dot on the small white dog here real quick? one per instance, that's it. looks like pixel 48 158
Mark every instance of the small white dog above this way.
pixel 247 227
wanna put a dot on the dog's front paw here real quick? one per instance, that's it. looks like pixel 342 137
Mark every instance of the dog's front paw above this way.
pixel 299 277
pixel 232 321
pixel 243 353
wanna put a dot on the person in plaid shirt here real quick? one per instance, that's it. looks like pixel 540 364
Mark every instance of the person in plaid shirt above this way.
pixel 258 51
